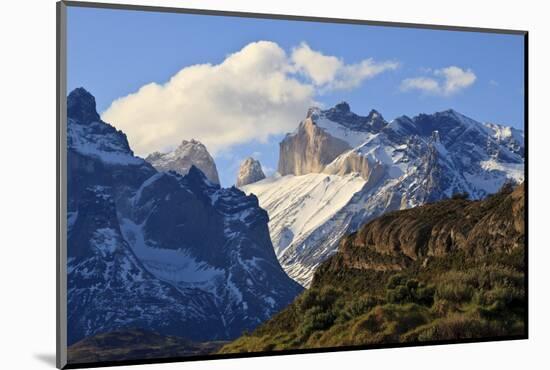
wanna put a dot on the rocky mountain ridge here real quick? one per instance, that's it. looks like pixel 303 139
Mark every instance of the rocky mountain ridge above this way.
pixel 404 163
pixel 160 251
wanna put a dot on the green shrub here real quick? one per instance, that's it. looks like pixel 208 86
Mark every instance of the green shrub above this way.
pixel 467 297
pixel 369 323
pixel 501 303
pixel 455 291
pixel 442 307
pixel 389 321
pixel 396 280
pixel 424 295
pixel 400 290
pixel 323 298
pixel 317 319
pixel 361 306
pixel 454 327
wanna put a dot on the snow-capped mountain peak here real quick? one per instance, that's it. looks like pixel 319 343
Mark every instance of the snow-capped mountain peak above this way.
pixel 342 107
pixel 172 253
pixel 341 114
pixel 187 154
pixel 402 164
pixel 88 135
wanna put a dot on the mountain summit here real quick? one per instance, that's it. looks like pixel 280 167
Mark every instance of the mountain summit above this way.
pixel 81 106
pixel 342 107
pixel 250 171
pixel 187 154
pixel 392 165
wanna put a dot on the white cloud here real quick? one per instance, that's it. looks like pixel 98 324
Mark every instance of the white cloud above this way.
pixel 421 83
pixel 331 73
pixel 446 81
pixel 456 78
pixel 252 94
pixel 321 69
pixel 248 96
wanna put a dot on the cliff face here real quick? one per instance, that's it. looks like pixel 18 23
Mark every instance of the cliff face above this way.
pixel 352 162
pixel 308 150
pixel 323 136
pixel 476 228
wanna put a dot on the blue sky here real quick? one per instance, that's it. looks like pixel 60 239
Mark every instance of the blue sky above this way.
pixel 113 53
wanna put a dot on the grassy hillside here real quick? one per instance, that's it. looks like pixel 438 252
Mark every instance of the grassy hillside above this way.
pixel 131 344
pixel 444 271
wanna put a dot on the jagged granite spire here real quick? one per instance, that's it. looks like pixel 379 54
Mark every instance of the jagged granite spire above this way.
pixel 341 113
pixel 250 171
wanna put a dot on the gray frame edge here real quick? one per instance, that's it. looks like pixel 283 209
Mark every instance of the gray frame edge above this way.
pixel 61 186
pixel 288 17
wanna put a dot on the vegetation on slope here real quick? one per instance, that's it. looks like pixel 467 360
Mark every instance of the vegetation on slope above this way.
pixel 131 344
pixel 444 271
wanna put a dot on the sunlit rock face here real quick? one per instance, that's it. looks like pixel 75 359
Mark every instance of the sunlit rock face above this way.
pixel 250 171
pixel 187 154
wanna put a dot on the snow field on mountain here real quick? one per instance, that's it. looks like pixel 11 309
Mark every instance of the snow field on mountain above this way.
pixel 299 204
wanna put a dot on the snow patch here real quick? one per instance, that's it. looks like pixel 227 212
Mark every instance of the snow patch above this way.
pixel 175 265
pixel 105 240
pixel 306 203
pixel 105 147
pixel 334 129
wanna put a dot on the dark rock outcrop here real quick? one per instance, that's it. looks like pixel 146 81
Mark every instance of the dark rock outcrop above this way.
pixel 342 114
pixel 81 106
